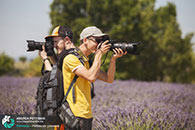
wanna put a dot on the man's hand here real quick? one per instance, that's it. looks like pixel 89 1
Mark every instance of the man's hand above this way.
pixel 105 47
pixel 118 52
pixel 43 53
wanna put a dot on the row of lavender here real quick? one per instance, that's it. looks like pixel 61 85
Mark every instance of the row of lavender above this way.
pixel 17 95
pixel 144 105
pixel 120 105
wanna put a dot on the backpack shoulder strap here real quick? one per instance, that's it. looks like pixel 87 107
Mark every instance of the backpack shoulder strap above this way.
pixel 74 52
pixel 61 57
pixel 71 85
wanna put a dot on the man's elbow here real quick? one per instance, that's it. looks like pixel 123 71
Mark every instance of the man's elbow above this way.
pixel 91 79
pixel 110 81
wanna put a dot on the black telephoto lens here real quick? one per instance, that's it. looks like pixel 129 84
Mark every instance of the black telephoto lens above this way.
pixel 131 48
pixel 32 45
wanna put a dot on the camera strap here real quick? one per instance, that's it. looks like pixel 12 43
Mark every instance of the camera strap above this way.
pixel 104 59
pixel 42 69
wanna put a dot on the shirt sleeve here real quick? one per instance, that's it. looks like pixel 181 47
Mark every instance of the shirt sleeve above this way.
pixel 71 62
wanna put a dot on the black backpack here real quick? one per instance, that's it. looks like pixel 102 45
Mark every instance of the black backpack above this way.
pixel 50 91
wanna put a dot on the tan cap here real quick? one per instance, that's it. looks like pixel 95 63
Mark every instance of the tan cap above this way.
pixel 91 31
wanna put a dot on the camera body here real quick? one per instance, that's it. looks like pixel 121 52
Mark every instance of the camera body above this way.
pixel 130 47
pixel 49 46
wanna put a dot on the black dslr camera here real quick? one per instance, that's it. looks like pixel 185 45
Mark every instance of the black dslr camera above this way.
pixel 130 47
pixel 49 46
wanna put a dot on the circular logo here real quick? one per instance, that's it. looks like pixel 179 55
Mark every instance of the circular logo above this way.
pixel 7 122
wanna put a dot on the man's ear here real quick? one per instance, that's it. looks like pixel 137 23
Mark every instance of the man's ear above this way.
pixel 84 40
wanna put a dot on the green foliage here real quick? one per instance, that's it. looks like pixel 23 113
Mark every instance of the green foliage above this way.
pixel 6 64
pixel 22 59
pixel 165 55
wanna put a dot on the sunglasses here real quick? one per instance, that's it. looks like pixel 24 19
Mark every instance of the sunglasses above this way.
pixel 97 40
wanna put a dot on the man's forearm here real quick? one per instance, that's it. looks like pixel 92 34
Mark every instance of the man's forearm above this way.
pixel 95 68
pixel 111 70
pixel 47 65
pixel 109 75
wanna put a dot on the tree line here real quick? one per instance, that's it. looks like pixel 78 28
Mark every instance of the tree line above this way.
pixel 164 54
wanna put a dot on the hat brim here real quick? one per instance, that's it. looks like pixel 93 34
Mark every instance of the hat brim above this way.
pixel 100 35
pixel 55 35
pixel 97 35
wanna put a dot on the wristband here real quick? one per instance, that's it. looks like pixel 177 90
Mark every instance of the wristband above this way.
pixel 45 59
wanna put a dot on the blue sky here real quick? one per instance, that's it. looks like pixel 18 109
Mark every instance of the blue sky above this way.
pixel 29 19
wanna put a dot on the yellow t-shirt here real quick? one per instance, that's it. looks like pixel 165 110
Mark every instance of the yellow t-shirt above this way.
pixel 82 106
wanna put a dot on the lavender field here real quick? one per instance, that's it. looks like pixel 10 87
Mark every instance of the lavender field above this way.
pixel 122 105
